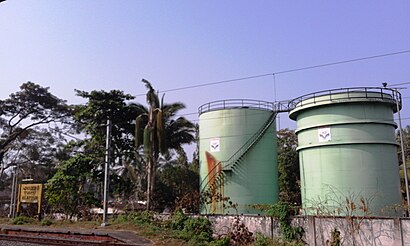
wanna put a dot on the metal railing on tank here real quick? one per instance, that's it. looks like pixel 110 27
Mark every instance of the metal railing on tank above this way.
pixel 236 103
pixel 372 93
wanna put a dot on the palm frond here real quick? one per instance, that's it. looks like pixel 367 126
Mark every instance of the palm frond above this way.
pixel 152 97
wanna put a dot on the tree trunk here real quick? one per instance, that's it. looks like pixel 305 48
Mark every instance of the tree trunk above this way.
pixel 149 183
pixel 2 167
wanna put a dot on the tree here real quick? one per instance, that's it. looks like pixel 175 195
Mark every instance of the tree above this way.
pixel 91 118
pixel 176 178
pixel 67 189
pixel 32 106
pixel 158 132
pixel 288 167
pixel 35 154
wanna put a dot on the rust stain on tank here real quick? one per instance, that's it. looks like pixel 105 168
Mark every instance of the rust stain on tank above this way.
pixel 214 167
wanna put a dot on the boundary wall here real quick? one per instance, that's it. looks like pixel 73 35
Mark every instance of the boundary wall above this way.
pixel 317 230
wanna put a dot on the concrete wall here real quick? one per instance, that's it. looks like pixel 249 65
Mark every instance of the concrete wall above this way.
pixel 353 231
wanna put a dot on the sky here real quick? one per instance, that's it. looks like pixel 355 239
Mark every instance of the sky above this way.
pixel 105 45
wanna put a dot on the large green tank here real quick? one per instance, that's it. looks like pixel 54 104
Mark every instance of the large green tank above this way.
pixel 237 156
pixel 348 151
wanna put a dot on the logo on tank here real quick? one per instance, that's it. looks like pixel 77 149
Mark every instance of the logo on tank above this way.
pixel 215 145
pixel 324 134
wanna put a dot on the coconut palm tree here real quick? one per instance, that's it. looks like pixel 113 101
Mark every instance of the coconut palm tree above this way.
pixel 159 130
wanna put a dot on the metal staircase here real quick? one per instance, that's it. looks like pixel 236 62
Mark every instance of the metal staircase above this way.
pixel 230 164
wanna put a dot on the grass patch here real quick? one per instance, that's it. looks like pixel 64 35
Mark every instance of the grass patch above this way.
pixel 180 229
pixel 22 220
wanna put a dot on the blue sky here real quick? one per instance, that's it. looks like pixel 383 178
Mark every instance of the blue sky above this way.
pixel 104 45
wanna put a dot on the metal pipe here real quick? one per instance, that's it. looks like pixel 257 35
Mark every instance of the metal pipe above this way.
pixel 106 170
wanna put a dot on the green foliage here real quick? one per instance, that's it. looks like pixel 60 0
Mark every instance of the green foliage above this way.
pixel 177 221
pixel 194 230
pixel 288 167
pixel 31 107
pixel 92 117
pixel 65 190
pixel 147 140
pixel 46 222
pixel 138 218
pixel 161 133
pixel 224 241
pixel 262 240
pixel 283 212
pixel 21 220
pixel 173 183
pixel 143 217
pixel 335 239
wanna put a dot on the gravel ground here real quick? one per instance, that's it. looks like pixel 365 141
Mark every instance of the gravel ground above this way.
pixel 14 243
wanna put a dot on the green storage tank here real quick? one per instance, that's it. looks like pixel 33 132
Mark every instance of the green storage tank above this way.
pixel 237 155
pixel 348 151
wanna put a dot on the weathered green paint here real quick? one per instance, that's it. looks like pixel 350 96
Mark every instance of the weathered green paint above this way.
pixel 357 159
pixel 254 179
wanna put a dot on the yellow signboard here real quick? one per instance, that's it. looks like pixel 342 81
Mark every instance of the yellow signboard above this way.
pixel 30 193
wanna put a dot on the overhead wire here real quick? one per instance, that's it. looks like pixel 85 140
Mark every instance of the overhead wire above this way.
pixel 404 83
pixel 273 74
pixel 284 71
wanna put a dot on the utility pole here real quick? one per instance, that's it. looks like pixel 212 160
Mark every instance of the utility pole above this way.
pixel 13 193
pixel 106 172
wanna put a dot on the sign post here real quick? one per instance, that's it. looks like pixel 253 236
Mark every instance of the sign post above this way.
pixel 30 193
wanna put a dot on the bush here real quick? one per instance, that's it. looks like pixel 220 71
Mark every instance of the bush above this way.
pixel 46 222
pixel 262 240
pixel 138 218
pixel 283 212
pixel 178 220
pixel 225 241
pixel 194 230
pixel 143 217
pixel 21 220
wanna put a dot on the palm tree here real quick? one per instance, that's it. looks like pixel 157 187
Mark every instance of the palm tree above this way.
pixel 159 131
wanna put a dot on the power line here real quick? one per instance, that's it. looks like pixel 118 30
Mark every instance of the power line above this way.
pixel 285 71
pixel 404 83
pixel 343 62
pixel 213 83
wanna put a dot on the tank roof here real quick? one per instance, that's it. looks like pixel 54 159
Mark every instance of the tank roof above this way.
pixel 235 104
pixel 346 95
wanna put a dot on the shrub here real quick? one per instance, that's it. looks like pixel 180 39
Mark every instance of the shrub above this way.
pixel 262 240
pixel 46 222
pixel 194 230
pixel 21 220
pixel 178 220
pixel 138 218
pixel 283 212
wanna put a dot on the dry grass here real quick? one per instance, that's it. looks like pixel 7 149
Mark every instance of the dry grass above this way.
pixel 160 236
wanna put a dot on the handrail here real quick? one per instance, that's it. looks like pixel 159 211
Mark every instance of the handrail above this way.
pixel 236 103
pixel 385 94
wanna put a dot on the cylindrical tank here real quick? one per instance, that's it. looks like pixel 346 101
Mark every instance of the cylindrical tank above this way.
pixel 348 151
pixel 237 156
